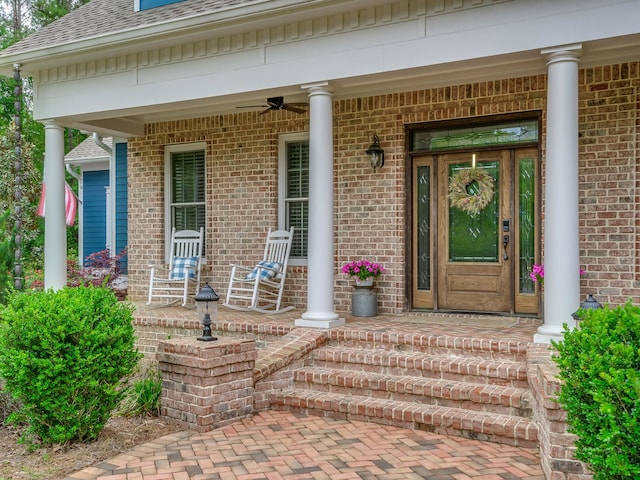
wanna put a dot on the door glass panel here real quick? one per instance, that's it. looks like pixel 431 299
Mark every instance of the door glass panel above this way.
pixel 508 133
pixel 474 237
pixel 424 227
pixel 526 221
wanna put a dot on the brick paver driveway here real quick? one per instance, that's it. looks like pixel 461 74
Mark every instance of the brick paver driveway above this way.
pixel 282 445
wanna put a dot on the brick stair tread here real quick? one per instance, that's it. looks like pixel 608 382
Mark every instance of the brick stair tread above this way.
pixel 434 343
pixel 450 419
pixel 506 396
pixel 460 365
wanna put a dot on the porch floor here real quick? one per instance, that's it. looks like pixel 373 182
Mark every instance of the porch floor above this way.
pixel 505 328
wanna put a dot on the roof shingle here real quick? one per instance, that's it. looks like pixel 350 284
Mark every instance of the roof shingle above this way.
pixel 89 150
pixel 104 17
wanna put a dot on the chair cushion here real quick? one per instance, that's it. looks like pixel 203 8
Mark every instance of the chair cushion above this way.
pixel 265 273
pixel 183 266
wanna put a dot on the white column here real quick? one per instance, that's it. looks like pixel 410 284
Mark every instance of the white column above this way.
pixel 55 228
pixel 561 240
pixel 320 272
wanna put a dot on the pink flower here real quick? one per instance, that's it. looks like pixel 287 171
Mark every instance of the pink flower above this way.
pixel 363 269
pixel 537 273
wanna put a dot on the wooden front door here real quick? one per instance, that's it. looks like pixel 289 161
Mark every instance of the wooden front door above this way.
pixel 475 261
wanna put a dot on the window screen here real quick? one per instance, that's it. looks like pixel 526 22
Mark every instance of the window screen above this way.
pixel 187 190
pixel 297 195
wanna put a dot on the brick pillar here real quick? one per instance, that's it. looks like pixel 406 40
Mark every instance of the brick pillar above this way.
pixel 206 384
pixel 557 445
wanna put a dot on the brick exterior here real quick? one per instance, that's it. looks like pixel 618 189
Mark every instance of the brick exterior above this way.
pixel 370 208
pixel 608 181
pixel 206 384
pixel 557 447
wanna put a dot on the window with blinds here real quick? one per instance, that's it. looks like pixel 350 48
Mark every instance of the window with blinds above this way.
pixel 187 204
pixel 296 201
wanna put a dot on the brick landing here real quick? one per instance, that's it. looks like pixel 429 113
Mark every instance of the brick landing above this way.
pixel 283 445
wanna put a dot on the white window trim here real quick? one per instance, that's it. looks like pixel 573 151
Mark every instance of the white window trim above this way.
pixel 282 182
pixel 168 150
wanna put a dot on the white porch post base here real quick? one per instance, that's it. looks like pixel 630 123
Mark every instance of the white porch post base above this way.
pixel 546 333
pixel 319 320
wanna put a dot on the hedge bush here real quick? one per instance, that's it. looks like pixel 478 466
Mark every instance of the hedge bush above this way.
pixel 600 368
pixel 64 356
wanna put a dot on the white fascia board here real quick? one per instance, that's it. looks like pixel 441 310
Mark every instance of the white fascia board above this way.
pixel 256 15
pixel 90 164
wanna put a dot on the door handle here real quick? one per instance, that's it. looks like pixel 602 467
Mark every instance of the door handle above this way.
pixel 505 245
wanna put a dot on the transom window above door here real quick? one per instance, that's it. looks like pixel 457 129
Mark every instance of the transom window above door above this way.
pixel 456 137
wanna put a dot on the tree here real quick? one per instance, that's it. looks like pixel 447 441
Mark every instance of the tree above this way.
pixel 18 18
pixel 44 12
pixel 31 225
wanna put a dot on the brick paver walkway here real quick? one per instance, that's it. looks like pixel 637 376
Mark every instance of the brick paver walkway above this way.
pixel 283 445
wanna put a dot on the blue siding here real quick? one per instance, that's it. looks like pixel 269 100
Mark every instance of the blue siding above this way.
pixel 121 201
pixel 94 210
pixel 147 4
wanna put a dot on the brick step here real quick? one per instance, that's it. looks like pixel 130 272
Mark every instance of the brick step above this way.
pixel 419 364
pixel 492 348
pixel 448 393
pixel 486 426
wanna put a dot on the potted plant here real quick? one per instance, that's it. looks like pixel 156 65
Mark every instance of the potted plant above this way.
pixel 363 271
pixel 364 301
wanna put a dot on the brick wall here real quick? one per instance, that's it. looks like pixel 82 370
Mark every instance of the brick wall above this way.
pixel 608 182
pixel 206 384
pixel 557 449
pixel 370 208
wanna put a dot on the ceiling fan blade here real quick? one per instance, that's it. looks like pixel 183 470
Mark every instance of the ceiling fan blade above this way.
pixel 277 103
pixel 288 106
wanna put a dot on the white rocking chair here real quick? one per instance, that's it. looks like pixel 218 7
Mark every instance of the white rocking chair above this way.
pixel 260 288
pixel 184 269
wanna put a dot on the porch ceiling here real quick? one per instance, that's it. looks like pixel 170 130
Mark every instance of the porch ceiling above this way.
pixel 132 120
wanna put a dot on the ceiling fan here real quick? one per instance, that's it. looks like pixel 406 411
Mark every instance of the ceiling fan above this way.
pixel 277 103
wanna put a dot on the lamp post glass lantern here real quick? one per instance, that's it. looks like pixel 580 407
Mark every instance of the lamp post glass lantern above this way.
pixel 589 304
pixel 203 298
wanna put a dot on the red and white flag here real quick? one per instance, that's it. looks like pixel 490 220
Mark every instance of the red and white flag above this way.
pixel 70 204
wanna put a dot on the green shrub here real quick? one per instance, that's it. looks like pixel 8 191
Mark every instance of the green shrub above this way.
pixel 7 404
pixel 600 366
pixel 63 356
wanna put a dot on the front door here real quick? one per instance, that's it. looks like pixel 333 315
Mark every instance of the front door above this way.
pixel 474 231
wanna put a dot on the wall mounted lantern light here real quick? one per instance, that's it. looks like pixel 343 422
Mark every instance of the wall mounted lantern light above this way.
pixel 376 154
pixel 205 296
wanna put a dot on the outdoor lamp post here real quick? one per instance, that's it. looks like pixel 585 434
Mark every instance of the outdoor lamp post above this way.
pixel 589 304
pixel 205 296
